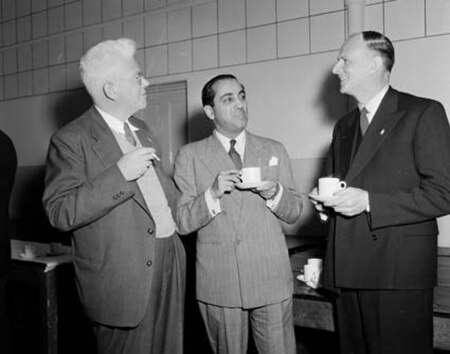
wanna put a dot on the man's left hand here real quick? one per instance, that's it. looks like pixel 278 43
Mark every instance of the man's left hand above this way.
pixel 349 202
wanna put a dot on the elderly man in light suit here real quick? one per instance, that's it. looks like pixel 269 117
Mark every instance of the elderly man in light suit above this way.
pixel 243 271
pixel 105 184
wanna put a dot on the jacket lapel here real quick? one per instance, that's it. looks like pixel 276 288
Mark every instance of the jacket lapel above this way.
pixel 216 159
pixel 382 125
pixel 109 152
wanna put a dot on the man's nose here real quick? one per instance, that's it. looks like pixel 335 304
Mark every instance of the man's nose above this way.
pixel 239 103
pixel 336 68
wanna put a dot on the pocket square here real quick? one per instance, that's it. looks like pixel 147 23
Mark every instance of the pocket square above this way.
pixel 273 161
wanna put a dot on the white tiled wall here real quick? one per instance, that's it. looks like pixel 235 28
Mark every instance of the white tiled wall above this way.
pixel 324 6
pixel 412 15
pixel 205 54
pixel 437 17
pixel 47 37
pixel 260 12
pixel 289 9
pixel 232 48
pixel 293 38
pixel 204 19
pixel 231 15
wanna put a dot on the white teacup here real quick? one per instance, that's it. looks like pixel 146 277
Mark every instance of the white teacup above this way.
pixel 311 274
pixel 329 185
pixel 315 262
pixel 251 174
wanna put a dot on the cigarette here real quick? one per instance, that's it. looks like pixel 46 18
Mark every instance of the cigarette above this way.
pixel 156 157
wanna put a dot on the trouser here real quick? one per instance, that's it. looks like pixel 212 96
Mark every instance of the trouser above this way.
pixel 272 327
pixel 385 321
pixel 161 329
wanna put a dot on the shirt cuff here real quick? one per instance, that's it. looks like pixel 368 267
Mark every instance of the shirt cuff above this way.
pixel 273 203
pixel 213 204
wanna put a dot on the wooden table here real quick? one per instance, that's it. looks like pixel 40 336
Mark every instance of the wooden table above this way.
pixel 314 309
pixel 42 300
pixel 31 277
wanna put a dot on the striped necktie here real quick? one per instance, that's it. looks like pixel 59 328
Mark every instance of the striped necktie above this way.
pixel 363 121
pixel 234 155
pixel 128 134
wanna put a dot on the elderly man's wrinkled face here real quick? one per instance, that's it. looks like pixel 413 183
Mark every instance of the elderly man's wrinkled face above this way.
pixel 230 108
pixel 130 86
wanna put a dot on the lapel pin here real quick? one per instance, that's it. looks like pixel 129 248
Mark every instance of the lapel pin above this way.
pixel 382 132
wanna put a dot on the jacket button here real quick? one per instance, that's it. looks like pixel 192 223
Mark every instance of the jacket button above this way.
pixel 150 231
pixel 374 237
pixel 149 263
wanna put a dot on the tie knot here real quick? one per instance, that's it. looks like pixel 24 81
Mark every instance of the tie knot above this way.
pixel 232 143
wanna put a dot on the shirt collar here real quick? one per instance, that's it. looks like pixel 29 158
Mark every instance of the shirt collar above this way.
pixel 114 123
pixel 372 106
pixel 240 142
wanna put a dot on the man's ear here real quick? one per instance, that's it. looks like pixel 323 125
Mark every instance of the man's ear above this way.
pixel 209 112
pixel 109 91
pixel 377 63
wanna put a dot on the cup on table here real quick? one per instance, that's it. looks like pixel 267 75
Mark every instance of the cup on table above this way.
pixel 312 271
pixel 251 174
pixel 327 186
pixel 29 251
pixel 315 262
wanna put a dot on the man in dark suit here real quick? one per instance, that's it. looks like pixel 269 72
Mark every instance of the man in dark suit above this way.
pixel 105 184
pixel 381 253
pixel 8 167
pixel 244 278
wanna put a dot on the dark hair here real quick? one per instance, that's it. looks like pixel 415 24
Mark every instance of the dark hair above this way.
pixel 208 92
pixel 382 45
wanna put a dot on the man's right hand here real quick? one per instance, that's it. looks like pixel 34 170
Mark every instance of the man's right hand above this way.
pixel 225 182
pixel 136 162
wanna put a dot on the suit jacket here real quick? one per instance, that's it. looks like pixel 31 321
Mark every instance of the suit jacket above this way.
pixel 403 162
pixel 8 167
pixel 242 258
pixel 113 230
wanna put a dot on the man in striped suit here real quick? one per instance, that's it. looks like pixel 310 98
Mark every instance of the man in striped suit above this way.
pixel 244 276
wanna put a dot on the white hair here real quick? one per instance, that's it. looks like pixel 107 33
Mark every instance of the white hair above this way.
pixel 100 62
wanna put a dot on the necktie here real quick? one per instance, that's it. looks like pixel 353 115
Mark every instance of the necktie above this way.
pixel 128 134
pixel 363 121
pixel 234 155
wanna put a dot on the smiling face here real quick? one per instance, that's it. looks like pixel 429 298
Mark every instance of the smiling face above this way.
pixel 355 67
pixel 229 112
pixel 130 86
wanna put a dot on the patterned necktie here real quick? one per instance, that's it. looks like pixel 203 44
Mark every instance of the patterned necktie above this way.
pixel 128 134
pixel 234 155
pixel 363 121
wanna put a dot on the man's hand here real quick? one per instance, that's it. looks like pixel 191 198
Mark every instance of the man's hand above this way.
pixel 268 189
pixel 323 212
pixel 224 182
pixel 136 162
pixel 349 202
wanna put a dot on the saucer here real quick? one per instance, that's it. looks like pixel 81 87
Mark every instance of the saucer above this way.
pixel 25 256
pixel 250 185
pixel 301 277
